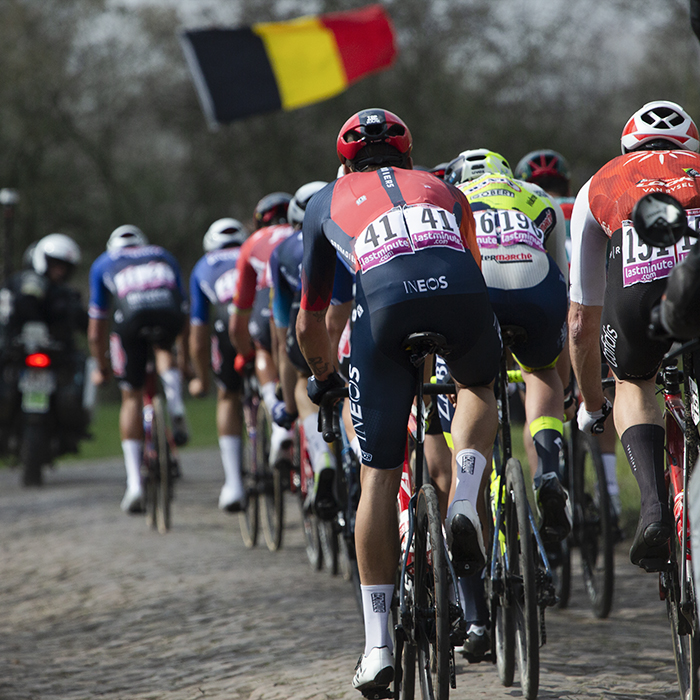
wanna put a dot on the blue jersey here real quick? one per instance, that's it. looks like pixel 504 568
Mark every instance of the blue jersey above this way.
pixel 285 273
pixel 213 282
pixel 135 279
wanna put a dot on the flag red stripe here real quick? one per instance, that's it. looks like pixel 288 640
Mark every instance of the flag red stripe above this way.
pixel 365 40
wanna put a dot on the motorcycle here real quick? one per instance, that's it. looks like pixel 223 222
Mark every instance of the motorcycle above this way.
pixel 46 399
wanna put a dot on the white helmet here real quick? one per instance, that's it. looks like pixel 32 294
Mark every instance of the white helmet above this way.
pixel 224 233
pixel 469 165
pixel 55 246
pixel 297 207
pixel 660 120
pixel 126 236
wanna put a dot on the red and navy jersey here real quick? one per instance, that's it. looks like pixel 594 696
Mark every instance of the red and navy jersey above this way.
pixel 621 183
pixel 401 230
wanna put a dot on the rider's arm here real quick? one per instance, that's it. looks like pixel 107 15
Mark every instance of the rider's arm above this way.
pixel 199 352
pixel 588 255
pixel 98 344
pixel 243 300
pixel 556 243
pixel 98 323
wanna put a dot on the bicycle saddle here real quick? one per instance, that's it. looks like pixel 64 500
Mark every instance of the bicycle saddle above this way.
pixel 420 345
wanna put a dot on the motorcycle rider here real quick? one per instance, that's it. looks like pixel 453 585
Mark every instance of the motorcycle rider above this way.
pixel 145 285
pixel 40 293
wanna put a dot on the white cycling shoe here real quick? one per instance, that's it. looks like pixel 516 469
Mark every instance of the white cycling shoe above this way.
pixel 231 500
pixel 376 670
pixel 465 539
pixel 281 444
pixel 133 501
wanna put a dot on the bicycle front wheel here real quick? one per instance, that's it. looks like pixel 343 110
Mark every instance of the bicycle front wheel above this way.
pixel 163 482
pixel 432 621
pixel 593 523
pixel 520 578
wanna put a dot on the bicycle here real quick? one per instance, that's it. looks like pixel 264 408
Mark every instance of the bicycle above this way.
pixel 264 485
pixel 519 580
pixel 159 465
pixel 593 529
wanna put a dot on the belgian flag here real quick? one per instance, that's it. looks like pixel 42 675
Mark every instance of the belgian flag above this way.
pixel 286 65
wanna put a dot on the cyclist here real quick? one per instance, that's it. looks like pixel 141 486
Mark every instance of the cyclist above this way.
pixel 521 236
pixel 212 285
pixel 411 240
pixel 285 273
pixel 249 325
pixel 550 170
pixel 144 284
pixel 660 154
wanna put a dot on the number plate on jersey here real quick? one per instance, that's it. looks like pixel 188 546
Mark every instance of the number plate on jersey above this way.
pixel 642 263
pixel 404 230
pixel 496 227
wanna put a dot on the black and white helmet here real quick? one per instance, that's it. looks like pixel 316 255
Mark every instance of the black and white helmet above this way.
pixel 297 207
pixel 224 233
pixel 126 236
pixel 55 246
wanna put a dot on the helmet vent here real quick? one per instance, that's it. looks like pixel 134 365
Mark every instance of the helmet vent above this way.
pixel 662 118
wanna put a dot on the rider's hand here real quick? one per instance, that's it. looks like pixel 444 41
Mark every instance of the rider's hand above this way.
pixel 196 387
pixel 242 360
pixel 99 376
pixel 592 421
pixel 282 417
pixel 316 388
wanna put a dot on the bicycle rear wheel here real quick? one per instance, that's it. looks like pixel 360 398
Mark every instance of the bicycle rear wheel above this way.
pixel 520 578
pixel 432 621
pixel 248 519
pixel 271 483
pixel 163 481
pixel 593 523
pixel 310 523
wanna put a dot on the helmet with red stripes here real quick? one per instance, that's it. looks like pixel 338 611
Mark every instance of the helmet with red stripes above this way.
pixel 374 137
pixel 272 209
pixel 660 125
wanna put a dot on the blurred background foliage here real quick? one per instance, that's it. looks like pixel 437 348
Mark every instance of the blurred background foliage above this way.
pixel 100 124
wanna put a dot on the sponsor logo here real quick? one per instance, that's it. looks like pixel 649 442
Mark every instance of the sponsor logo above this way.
pixel 225 286
pixel 359 200
pixel 355 408
pixel 547 222
pixel 505 258
pixel 467 463
pixel 492 193
pixel 691 171
pixel 378 602
pixel 141 277
pixel 373 119
pixel 388 178
pixel 431 284
pixel 608 339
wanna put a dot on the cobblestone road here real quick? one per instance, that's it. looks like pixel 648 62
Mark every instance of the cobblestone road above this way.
pixel 93 605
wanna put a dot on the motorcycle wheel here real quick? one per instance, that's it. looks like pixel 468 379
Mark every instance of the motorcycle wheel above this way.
pixel 34 441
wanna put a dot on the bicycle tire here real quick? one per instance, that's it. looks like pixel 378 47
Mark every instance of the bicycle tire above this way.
pixel 561 572
pixel 330 549
pixel 309 522
pixel 431 611
pixel 148 475
pixel 270 483
pixel 521 579
pixel 594 524
pixel 249 517
pixel 163 482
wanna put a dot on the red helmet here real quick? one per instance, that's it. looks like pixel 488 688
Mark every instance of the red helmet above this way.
pixel 372 127
pixel 272 209
pixel 544 163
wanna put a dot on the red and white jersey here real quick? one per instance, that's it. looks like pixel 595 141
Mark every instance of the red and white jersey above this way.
pixel 604 206
pixel 252 263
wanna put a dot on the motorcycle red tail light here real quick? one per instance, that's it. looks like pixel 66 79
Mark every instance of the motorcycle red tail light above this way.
pixel 37 359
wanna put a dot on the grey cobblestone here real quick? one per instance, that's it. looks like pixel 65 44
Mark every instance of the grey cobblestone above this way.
pixel 94 605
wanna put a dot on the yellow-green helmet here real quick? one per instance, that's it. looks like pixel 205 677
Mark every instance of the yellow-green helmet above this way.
pixel 469 165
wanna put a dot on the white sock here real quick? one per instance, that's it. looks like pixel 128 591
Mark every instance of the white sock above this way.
pixel 269 396
pixel 132 462
pixel 230 446
pixel 172 385
pixel 470 469
pixel 376 606
pixel 610 467
pixel 319 452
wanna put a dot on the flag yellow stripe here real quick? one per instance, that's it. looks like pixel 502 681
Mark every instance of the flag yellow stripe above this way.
pixel 305 60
